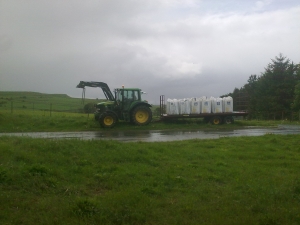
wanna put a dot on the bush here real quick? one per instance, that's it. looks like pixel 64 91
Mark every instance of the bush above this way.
pixel 89 108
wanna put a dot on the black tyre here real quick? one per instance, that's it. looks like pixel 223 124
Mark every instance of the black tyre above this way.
pixel 141 115
pixel 228 120
pixel 216 120
pixel 108 120
pixel 206 119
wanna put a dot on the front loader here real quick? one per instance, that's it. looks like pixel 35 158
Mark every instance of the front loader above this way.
pixel 126 104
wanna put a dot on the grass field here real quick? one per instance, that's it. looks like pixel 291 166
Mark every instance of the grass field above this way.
pixel 246 180
pixel 34 101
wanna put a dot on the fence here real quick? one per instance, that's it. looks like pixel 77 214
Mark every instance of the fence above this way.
pixel 47 106
pixel 60 103
pixel 289 116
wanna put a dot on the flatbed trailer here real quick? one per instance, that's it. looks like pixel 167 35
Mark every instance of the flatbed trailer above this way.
pixel 213 118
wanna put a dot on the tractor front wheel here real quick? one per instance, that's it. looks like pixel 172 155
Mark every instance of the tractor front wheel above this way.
pixel 141 115
pixel 108 120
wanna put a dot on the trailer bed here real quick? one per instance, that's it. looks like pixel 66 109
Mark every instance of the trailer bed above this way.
pixel 202 115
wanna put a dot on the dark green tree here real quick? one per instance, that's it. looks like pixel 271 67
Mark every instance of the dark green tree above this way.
pixel 273 93
pixel 296 102
pixel 251 89
pixel 277 86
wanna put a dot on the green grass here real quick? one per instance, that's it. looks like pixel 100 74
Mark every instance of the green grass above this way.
pixel 245 180
pixel 34 101
pixel 29 121
pixel 33 121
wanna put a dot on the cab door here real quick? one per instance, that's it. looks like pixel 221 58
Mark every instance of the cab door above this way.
pixel 126 97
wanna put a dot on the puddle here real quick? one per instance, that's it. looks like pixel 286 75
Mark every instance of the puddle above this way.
pixel 154 136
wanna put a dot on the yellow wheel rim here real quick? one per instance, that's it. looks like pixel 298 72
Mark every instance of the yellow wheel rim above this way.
pixel 108 120
pixel 216 121
pixel 141 116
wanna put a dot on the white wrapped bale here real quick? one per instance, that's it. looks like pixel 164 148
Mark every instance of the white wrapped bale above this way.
pixel 172 107
pixel 195 105
pixel 184 106
pixel 217 105
pixel 228 104
pixel 206 105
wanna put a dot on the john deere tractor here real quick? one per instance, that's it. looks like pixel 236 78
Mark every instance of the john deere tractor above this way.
pixel 126 104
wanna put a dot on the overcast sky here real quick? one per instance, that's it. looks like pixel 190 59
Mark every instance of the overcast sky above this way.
pixel 179 48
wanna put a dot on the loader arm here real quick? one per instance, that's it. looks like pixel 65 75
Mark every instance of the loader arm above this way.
pixel 103 86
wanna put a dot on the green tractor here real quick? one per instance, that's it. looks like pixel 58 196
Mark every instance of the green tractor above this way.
pixel 126 104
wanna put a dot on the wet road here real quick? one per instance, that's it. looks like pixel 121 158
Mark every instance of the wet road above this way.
pixel 153 136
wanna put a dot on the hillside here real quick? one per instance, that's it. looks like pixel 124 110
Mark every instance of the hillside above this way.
pixel 41 101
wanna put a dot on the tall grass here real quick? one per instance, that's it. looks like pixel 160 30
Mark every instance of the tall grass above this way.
pixel 28 121
pixel 246 180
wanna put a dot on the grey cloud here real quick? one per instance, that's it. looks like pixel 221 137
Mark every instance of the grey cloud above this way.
pixel 164 47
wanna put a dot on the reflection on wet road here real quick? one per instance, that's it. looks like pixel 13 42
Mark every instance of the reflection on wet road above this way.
pixel 153 136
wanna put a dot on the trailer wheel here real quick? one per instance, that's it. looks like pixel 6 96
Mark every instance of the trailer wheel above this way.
pixel 206 119
pixel 141 115
pixel 108 120
pixel 228 120
pixel 216 120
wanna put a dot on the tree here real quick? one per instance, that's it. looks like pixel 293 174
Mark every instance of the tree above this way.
pixel 274 89
pixel 251 89
pixel 296 102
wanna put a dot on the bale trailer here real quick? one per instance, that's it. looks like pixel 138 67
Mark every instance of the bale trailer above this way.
pixel 213 118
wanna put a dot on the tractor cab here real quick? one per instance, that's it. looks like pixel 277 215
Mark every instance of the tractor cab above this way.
pixel 126 97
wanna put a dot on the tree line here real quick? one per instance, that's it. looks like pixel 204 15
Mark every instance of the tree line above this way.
pixel 273 94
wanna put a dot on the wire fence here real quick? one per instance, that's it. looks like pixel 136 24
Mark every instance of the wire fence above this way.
pixel 76 105
pixel 281 115
pixel 43 106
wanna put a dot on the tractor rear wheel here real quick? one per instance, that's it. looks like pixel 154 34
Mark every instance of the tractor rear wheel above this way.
pixel 216 120
pixel 141 115
pixel 108 120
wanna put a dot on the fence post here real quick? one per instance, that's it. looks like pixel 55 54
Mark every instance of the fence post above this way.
pixel 50 108
pixel 11 107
